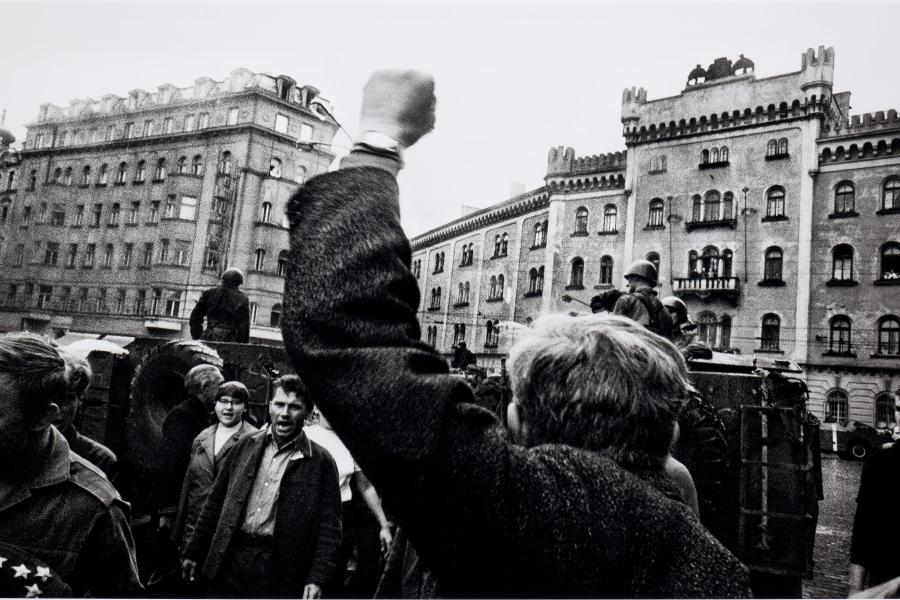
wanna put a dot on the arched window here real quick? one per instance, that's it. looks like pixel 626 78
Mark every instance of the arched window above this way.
pixel 260 262
pixel 836 406
pixel 770 338
pixel 844 198
pixel 466 288
pixel 711 205
pixel 725 332
pixel 704 156
pixel 839 339
pixel 182 164
pixel 160 173
pixel 283 263
pixel 224 166
pixel 714 155
pixel 539 233
pixel 504 244
pixel 890 194
pixel 610 220
pixel 67 178
pixel 300 174
pixel 581 220
pixel 102 175
pixel 725 263
pixel 772 148
pixel 706 328
pixel 197 166
pixel 532 281
pixel 500 286
pixel 440 261
pixel 693 264
pixel 577 275
pixel 275 318
pixel 697 211
pixel 32 180
pixel 783 146
pixel 890 262
pixel 656 213
pixel 120 174
pixel 606 270
pixel 459 333
pixel 775 202
pixel 265 214
pixel 493 292
pixel 86 175
pixel 710 262
pixel 728 206
pixel 724 154
pixel 492 336
pixel 884 410
pixel 275 167
pixel 889 336
pixel 773 266
pixel 141 172
pixel 842 263
pixel 497 245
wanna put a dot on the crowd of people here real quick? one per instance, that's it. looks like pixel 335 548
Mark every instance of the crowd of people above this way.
pixel 572 493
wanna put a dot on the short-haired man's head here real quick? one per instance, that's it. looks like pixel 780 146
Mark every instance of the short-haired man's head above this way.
pixel 200 378
pixel 235 389
pixel 36 370
pixel 600 382
pixel 78 373
pixel 292 384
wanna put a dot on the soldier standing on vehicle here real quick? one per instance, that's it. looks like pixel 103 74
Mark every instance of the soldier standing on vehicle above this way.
pixel 684 331
pixel 640 303
pixel 227 311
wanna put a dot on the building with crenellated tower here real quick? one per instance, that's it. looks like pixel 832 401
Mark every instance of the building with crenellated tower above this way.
pixel 769 209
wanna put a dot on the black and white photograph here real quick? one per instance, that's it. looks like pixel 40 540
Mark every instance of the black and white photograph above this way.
pixel 447 298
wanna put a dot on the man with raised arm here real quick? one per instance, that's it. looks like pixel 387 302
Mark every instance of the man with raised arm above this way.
pixel 574 502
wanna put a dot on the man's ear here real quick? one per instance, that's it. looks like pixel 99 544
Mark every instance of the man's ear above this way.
pixel 47 418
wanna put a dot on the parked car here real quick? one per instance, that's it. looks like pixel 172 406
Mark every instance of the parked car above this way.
pixel 854 440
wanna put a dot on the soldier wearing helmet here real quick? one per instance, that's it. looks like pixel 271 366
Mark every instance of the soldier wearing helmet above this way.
pixel 640 303
pixel 226 309
pixel 684 331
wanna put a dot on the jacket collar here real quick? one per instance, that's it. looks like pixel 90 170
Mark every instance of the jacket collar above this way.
pixel 300 443
pixel 56 469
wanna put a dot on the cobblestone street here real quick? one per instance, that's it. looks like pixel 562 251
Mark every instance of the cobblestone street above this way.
pixel 832 552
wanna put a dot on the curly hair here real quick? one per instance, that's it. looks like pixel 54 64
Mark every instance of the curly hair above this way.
pixel 600 382
pixel 292 384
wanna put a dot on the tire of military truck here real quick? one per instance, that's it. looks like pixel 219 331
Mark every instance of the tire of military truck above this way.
pixel 158 385
pixel 704 450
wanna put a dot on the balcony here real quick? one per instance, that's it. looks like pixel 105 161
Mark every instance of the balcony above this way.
pixel 710 224
pixel 708 288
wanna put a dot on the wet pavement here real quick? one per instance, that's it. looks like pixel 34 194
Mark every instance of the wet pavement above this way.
pixel 836 511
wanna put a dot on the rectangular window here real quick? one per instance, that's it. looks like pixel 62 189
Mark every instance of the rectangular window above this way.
pixel 58 216
pixel 182 250
pixel 39 141
pixel 153 216
pixel 163 251
pixel 97 216
pixel 189 122
pixel 36 253
pixel 129 131
pixel 83 299
pixel 108 256
pixel 188 209
pixel 18 255
pixel 127 255
pixel 173 304
pixel 114 216
pixel 155 300
pixel 72 256
pixel 26 216
pixel 148 127
pixel 133 213
pixel 254 311
pixel 12 292
pixel 203 122
pixel 120 301
pixel 306 132
pixel 171 207
pixel 101 300
pixel 51 254
pixel 110 133
pixel 140 300
pixel 79 216
pixel 147 258
pixel 281 123
pixel 45 292
pixel 233 115
pixel 89 256
pixel 65 298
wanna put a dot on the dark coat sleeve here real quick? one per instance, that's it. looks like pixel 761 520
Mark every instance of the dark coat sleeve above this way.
pixel 329 540
pixel 242 324
pixel 196 547
pixel 488 516
pixel 198 314
pixel 107 566
pixel 173 456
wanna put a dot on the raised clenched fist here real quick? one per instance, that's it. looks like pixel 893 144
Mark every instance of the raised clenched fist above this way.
pixel 398 104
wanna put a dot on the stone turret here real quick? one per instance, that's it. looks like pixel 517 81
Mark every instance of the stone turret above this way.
pixel 632 99
pixel 817 73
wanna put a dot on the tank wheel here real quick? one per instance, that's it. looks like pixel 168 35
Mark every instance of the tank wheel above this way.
pixel 157 386
pixel 859 449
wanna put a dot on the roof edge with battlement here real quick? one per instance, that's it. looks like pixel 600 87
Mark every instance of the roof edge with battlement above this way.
pixel 563 161
pixel 305 97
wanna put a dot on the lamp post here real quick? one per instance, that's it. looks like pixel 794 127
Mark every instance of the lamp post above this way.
pixel 746 211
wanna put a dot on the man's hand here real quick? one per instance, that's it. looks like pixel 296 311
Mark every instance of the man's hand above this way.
pixel 189 569
pixel 386 539
pixel 166 522
pixel 398 104
pixel 312 592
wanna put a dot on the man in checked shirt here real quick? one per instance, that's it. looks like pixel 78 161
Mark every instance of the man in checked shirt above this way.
pixel 271 527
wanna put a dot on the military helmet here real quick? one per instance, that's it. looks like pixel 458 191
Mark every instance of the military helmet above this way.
pixel 643 269
pixel 678 306
pixel 233 277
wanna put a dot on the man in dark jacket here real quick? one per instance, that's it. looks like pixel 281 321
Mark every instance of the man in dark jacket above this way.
pixel 271 527
pixel 227 311
pixel 640 302
pixel 555 517
pixel 54 505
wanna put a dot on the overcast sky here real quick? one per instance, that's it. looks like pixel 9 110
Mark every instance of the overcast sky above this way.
pixel 513 78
